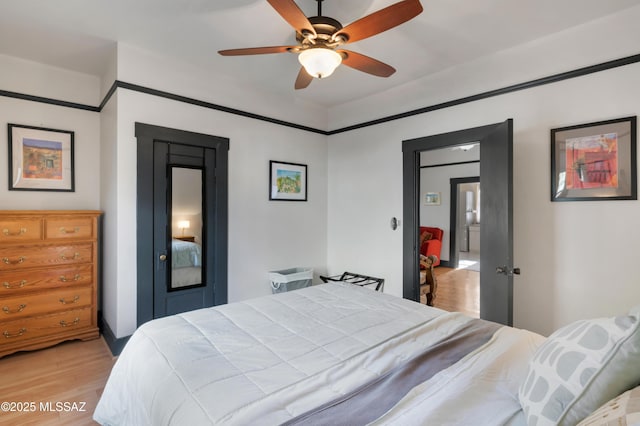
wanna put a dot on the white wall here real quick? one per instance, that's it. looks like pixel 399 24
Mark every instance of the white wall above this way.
pixel 559 281
pixel 109 205
pixel 32 78
pixel 263 235
pixel 576 47
pixel 36 79
pixel 438 179
pixel 151 70
pixel 577 258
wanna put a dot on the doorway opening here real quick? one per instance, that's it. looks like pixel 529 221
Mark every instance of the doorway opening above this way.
pixel 496 230
pixel 459 281
pixel 465 223
pixel 452 173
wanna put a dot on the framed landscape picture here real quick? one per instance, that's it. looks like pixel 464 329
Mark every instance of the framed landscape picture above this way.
pixel 40 159
pixel 595 161
pixel 432 199
pixel 287 181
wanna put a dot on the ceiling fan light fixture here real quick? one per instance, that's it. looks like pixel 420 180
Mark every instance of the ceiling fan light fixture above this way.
pixel 320 62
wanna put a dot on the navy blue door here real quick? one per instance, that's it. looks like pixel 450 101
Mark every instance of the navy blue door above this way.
pixel 182 175
pixel 182 221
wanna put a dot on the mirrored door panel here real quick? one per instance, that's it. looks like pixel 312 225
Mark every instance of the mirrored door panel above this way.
pixel 186 228
pixel 182 199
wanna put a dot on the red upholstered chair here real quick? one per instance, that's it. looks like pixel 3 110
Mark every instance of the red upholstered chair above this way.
pixel 431 242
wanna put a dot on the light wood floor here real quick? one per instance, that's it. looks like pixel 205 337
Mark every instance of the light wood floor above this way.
pixel 458 290
pixel 71 372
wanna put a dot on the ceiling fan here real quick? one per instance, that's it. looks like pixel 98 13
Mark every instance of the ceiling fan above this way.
pixel 320 38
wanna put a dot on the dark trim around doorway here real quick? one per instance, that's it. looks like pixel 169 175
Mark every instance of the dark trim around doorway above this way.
pixel 411 150
pixel 146 135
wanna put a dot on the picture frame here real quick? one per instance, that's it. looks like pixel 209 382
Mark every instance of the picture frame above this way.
pixel 594 161
pixel 432 199
pixel 287 181
pixel 40 159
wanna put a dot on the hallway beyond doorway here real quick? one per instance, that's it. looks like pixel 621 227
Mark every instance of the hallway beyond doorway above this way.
pixel 458 291
pixel 469 260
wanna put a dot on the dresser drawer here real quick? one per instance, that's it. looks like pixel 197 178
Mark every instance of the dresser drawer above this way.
pixel 20 257
pixel 57 228
pixel 25 281
pixel 43 303
pixel 48 277
pixel 17 229
pixel 50 325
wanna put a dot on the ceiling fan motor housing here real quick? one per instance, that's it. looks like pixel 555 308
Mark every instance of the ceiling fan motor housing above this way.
pixel 325 28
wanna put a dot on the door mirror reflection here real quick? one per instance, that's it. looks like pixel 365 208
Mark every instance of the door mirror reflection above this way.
pixel 186 227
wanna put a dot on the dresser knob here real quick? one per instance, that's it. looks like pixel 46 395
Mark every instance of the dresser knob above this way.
pixel 18 334
pixel 66 302
pixel 19 285
pixel 7 310
pixel 8 233
pixel 64 279
pixel 75 230
pixel 75 256
pixel 63 323
pixel 6 260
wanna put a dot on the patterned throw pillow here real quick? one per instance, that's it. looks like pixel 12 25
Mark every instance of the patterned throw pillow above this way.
pixel 580 367
pixel 623 410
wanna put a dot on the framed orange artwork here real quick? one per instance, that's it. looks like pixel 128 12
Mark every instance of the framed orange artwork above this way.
pixel 40 159
pixel 595 161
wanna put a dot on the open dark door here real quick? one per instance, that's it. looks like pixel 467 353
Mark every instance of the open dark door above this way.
pixel 496 231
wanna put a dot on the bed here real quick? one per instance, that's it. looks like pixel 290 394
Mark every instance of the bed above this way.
pixel 333 354
pixel 186 263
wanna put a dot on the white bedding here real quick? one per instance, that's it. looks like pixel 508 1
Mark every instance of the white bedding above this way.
pixel 267 360
pixel 186 263
pixel 480 390
pixel 185 254
pixel 183 277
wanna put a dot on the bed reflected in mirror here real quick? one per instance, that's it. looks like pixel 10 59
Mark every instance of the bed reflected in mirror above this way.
pixel 186 228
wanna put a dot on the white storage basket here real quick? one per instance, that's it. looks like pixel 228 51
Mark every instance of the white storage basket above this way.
pixel 290 279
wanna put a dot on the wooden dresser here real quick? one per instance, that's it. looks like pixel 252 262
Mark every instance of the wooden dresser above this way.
pixel 48 277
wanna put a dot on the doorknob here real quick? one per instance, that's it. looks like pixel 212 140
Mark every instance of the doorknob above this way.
pixel 161 260
pixel 506 271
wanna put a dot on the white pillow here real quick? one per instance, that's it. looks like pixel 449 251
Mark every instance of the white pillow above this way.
pixel 580 367
pixel 623 410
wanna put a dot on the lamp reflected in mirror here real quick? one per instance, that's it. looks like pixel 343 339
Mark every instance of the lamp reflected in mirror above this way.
pixel 183 224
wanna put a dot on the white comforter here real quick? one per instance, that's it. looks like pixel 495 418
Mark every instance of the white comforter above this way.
pixel 267 360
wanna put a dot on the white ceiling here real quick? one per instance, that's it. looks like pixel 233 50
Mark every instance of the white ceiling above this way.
pixel 80 34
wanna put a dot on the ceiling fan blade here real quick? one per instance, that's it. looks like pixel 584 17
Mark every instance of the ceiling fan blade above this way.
pixel 256 50
pixel 366 64
pixel 303 80
pixel 382 20
pixel 291 13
